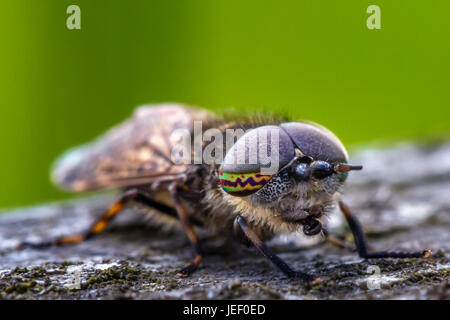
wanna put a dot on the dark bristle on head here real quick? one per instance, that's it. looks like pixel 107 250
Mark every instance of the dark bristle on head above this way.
pixel 251 118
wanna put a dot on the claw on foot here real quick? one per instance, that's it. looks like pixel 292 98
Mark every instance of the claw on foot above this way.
pixel 182 274
pixel 186 272
pixel 306 278
pixel 317 280
pixel 427 254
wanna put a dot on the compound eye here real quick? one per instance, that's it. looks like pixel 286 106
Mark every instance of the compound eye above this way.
pixel 321 169
pixel 242 184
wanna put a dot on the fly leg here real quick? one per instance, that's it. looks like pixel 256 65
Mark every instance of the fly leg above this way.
pixel 361 242
pixel 103 221
pixel 277 261
pixel 190 232
pixel 337 242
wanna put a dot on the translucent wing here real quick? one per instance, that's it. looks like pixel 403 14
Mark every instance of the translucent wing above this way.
pixel 138 151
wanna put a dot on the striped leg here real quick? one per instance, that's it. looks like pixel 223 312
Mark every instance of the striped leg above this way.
pixel 361 242
pixel 103 221
pixel 190 232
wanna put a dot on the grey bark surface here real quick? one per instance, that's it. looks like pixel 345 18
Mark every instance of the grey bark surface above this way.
pixel 402 198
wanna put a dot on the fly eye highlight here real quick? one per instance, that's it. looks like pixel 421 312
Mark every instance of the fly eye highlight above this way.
pixel 242 184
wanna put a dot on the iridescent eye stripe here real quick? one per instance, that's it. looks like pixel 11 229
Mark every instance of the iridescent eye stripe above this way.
pixel 242 184
pixel 342 176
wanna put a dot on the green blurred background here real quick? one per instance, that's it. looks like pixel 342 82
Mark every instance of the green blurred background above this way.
pixel 314 59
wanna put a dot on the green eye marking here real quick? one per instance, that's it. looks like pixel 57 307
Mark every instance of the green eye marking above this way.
pixel 342 176
pixel 242 184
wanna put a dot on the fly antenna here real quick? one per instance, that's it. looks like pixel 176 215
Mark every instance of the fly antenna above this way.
pixel 343 168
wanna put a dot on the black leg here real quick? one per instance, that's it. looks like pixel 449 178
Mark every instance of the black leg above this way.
pixel 190 232
pixel 264 249
pixel 361 242
pixel 103 221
